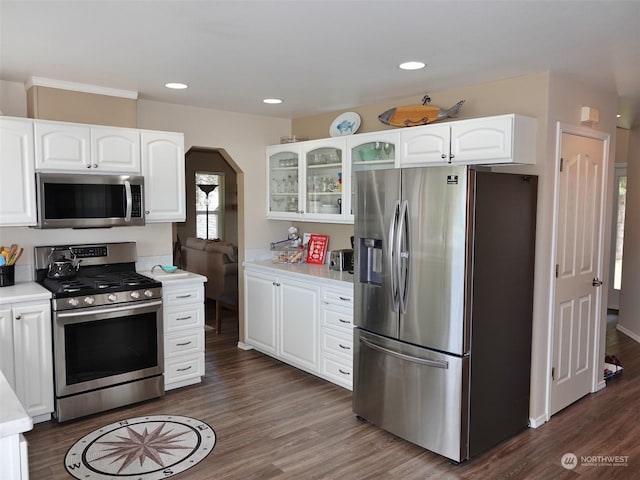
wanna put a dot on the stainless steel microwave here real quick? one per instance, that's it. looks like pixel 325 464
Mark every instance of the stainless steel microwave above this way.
pixel 67 200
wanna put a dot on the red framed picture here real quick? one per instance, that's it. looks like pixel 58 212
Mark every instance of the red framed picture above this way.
pixel 317 248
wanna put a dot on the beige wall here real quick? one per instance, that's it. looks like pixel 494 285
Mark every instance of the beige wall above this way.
pixel 69 106
pixel 629 316
pixel 622 144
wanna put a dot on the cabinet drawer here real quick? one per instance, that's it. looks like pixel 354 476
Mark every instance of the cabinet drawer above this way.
pixel 182 343
pixel 338 371
pixel 193 294
pixel 183 367
pixel 182 318
pixel 338 298
pixel 337 344
pixel 341 319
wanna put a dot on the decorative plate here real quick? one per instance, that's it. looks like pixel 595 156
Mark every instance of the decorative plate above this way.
pixel 345 124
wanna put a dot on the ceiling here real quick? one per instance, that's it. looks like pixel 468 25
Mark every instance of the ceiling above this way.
pixel 318 55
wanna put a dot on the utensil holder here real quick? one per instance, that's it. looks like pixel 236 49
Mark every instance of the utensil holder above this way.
pixel 7 275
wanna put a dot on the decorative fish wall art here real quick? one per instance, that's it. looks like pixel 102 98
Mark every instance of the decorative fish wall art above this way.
pixel 413 115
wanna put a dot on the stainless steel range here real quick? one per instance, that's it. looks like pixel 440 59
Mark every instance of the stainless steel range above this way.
pixel 107 327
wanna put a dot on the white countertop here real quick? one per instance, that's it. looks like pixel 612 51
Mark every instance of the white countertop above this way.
pixel 178 275
pixel 321 273
pixel 23 292
pixel 13 418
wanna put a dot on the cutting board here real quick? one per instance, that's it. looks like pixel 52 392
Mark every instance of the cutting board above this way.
pixel 162 275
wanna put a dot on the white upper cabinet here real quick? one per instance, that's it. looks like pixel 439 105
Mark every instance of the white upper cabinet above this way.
pixel 17 184
pixel 428 145
pixel 163 170
pixel 72 147
pixel 481 141
pixel 115 150
pixel 62 146
pixel 501 139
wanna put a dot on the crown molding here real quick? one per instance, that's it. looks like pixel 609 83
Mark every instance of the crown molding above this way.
pixel 79 87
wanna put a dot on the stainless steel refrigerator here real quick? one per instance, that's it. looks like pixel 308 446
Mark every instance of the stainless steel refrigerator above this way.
pixel 444 260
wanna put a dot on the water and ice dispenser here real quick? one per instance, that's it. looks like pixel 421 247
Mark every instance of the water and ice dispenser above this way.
pixel 370 261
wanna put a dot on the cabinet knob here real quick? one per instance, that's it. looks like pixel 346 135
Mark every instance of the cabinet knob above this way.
pixel 95 165
pixel 18 317
pixel 443 155
pixel 89 166
pixel 147 212
pixel 452 156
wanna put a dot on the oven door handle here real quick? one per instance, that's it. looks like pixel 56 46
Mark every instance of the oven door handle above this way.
pixel 128 307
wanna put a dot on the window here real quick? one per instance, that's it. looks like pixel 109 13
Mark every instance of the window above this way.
pixel 621 198
pixel 209 205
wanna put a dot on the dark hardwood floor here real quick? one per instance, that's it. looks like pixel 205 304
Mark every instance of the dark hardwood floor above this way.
pixel 273 421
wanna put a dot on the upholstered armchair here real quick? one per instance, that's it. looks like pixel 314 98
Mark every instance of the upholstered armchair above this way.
pixel 218 261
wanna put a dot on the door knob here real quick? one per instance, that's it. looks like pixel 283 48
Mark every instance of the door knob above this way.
pixel 596 282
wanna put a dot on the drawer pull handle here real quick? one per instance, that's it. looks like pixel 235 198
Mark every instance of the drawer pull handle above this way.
pixel 183 344
pixel 344 372
pixel 345 299
pixel 181 319
pixel 184 369
pixel 346 347
pixel 344 321
pixel 183 296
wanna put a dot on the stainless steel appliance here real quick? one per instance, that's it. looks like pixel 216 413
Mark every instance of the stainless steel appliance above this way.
pixel 89 201
pixel 107 329
pixel 341 260
pixel 443 305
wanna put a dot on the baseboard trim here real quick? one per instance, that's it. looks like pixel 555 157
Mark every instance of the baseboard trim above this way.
pixel 244 346
pixel 628 332
pixel 536 422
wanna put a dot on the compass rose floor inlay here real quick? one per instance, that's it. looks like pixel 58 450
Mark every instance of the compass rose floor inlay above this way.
pixel 144 448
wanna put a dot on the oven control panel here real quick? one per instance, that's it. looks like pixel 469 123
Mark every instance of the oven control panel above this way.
pixel 111 298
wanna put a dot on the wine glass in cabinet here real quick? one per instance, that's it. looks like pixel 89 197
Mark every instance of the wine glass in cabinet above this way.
pixel 324 162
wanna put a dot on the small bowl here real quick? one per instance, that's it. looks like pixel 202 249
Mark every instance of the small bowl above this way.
pixel 166 268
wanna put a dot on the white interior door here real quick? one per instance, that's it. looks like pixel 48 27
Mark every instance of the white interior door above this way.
pixel 578 294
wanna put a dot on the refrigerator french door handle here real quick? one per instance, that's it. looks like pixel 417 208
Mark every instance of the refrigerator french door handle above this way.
pixel 393 258
pixel 403 256
pixel 408 358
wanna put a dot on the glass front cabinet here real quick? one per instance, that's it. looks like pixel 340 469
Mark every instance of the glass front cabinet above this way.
pixel 306 181
pixel 283 188
pixel 370 151
pixel 314 180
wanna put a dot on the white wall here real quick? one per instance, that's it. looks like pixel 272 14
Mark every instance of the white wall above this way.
pixel 13 99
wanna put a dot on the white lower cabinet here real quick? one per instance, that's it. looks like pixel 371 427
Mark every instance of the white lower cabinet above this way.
pixel 336 336
pixel 26 355
pixel 282 318
pixel 183 318
pixel 301 322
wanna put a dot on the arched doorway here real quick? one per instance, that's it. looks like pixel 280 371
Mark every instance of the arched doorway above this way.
pixel 214 163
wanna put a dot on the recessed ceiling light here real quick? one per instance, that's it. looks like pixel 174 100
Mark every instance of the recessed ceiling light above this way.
pixel 618 116
pixel 176 86
pixel 411 66
pixel 272 101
